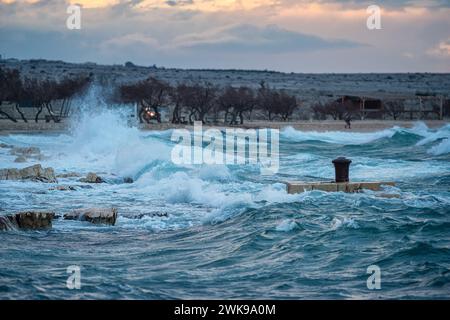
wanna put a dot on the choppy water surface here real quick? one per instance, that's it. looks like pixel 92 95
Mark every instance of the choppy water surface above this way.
pixel 230 232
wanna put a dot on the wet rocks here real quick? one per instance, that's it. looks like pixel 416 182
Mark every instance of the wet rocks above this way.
pixel 63 188
pixel 28 220
pixel 6 146
pixel 37 220
pixel 94 215
pixel 20 159
pixel 128 180
pixel 69 175
pixel 25 151
pixel 84 186
pixel 33 173
pixel 34 219
pixel 92 178
pixel 151 214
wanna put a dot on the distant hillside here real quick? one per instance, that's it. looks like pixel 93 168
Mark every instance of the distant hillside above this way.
pixel 308 87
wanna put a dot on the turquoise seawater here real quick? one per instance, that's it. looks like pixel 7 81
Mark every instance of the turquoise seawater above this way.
pixel 205 232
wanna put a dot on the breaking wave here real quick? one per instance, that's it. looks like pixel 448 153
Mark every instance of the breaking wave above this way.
pixel 205 223
pixel 420 131
pixel 442 148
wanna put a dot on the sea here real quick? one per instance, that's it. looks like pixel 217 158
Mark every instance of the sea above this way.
pixel 206 231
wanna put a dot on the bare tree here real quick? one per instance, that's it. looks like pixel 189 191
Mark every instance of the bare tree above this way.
pixel 276 103
pixel 34 93
pixel 351 110
pixel 234 102
pixel 199 100
pixel 66 90
pixel 320 112
pixel 42 94
pixel 178 97
pixel 446 108
pixel 394 108
pixel 10 87
pixel 284 104
pixel 265 99
pixel 335 110
pixel 150 94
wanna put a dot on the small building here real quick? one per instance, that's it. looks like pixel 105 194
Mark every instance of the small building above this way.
pixel 368 107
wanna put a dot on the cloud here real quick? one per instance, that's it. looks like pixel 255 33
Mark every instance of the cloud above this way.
pixel 174 3
pixel 441 50
pixel 129 40
pixel 209 5
pixel 287 35
pixel 250 38
pixel 26 43
pixel 365 3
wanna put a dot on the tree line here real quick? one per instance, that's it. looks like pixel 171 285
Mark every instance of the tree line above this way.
pixel 391 108
pixel 205 102
pixel 38 94
pixel 188 101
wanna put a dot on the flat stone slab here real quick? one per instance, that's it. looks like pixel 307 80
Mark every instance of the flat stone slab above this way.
pixel 28 220
pixel 94 215
pixel 92 178
pixel 33 173
pixel 69 175
pixel 63 188
pixel 299 187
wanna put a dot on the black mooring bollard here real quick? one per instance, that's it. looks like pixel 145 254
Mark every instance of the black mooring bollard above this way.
pixel 342 168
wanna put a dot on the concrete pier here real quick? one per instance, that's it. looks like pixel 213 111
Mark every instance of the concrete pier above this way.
pixel 299 187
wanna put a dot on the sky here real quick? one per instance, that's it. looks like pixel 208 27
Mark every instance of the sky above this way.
pixel 321 36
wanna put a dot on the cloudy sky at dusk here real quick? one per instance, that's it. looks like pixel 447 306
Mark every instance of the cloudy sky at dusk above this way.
pixel 284 35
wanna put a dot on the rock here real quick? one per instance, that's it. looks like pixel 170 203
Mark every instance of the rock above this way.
pixel 159 214
pixel 34 173
pixel 9 174
pixel 85 186
pixel 38 173
pixel 25 151
pixel 94 215
pixel 128 180
pixel 29 220
pixel 151 214
pixel 69 175
pixel 92 178
pixel 63 188
pixel 20 159
pixel 34 219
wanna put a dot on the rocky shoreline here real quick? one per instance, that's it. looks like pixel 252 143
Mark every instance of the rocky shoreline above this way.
pixel 72 181
pixel 301 125
pixel 41 220
pixel 32 220
pixel 34 173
